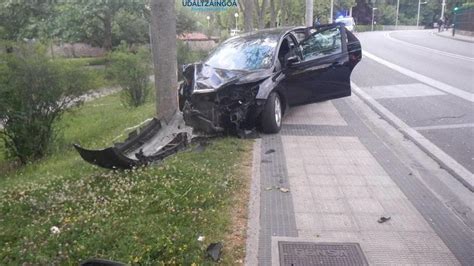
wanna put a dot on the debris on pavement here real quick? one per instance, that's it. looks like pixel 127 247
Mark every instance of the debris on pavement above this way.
pixel 270 151
pixel 214 251
pixel 383 219
pixel 282 189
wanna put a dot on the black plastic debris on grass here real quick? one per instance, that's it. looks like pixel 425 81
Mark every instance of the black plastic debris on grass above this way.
pixel 214 251
pixel 101 262
pixel 123 155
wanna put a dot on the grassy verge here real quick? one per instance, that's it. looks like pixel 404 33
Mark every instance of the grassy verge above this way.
pixel 151 215
pixel 96 66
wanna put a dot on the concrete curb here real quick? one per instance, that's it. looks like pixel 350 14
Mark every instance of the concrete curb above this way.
pixel 458 171
pixel 452 38
pixel 253 224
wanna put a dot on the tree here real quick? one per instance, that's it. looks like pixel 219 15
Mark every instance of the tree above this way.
pixel 132 72
pixel 34 93
pixel 247 6
pixel 185 21
pixel 97 18
pixel 261 9
pixel 23 19
pixel 163 35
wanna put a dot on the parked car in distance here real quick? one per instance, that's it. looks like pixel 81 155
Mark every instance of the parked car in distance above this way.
pixel 251 80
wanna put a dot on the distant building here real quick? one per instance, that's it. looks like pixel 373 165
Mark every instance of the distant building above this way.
pixel 198 41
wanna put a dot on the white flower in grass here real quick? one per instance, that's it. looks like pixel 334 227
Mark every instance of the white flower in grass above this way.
pixel 54 230
pixel 201 238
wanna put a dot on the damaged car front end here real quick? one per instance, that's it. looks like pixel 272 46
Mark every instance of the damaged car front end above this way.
pixel 220 101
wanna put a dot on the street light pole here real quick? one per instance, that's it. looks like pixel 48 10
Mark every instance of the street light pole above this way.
pixel 373 12
pixel 418 17
pixel 236 15
pixel 442 8
pixel 398 8
pixel 419 7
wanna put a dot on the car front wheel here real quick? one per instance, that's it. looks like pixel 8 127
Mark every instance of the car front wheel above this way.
pixel 272 114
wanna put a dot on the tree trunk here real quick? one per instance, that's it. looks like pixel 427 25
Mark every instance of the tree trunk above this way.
pixel 163 36
pixel 283 13
pixel 248 15
pixel 261 13
pixel 272 14
pixel 107 31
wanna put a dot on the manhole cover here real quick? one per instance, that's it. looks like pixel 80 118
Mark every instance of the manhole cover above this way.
pixel 307 253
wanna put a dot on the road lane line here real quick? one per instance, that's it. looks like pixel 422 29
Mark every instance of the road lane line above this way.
pixel 431 50
pixel 432 82
pixel 447 162
pixel 467 125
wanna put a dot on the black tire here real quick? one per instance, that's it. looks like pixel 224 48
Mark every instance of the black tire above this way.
pixel 269 119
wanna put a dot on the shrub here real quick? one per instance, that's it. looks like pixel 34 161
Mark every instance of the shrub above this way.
pixel 34 92
pixel 132 72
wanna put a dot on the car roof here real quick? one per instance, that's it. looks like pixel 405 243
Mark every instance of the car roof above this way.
pixel 272 31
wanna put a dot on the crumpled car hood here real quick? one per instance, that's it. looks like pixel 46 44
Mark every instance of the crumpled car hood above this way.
pixel 207 77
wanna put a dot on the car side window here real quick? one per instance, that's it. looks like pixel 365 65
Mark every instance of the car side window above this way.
pixel 322 43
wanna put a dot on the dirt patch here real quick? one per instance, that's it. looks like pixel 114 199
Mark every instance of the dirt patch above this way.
pixel 235 240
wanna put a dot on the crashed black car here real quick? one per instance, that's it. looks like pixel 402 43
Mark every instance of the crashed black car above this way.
pixel 250 81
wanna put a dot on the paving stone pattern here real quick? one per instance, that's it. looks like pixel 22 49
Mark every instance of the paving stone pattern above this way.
pixel 342 179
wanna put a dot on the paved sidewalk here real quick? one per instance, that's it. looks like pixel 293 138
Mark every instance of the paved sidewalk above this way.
pixel 342 179
pixel 457 36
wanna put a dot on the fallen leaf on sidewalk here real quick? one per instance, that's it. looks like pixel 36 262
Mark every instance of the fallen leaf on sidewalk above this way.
pixel 383 219
pixel 284 190
pixel 270 151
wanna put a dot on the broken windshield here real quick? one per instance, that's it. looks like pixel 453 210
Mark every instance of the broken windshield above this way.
pixel 245 53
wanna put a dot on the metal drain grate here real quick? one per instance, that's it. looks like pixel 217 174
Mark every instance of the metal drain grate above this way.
pixel 308 253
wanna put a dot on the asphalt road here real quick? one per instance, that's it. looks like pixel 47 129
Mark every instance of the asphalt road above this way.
pixel 425 80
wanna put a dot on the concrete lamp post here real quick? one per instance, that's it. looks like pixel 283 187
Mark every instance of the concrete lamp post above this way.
pixel 373 16
pixel 419 7
pixel 236 15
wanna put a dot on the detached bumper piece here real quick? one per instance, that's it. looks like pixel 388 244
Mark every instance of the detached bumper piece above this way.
pixel 129 154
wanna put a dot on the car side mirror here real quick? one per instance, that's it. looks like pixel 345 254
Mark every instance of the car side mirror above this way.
pixel 292 60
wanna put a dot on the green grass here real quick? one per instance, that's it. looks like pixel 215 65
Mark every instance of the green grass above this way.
pixel 96 66
pixel 152 215
pixel 89 61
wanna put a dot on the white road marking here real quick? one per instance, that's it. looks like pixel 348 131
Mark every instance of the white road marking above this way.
pixel 447 162
pixel 431 50
pixel 402 91
pixel 467 125
pixel 432 82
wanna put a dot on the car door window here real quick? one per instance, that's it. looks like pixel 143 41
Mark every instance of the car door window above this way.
pixel 322 43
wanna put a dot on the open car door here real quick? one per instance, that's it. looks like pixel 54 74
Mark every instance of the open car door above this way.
pixel 322 65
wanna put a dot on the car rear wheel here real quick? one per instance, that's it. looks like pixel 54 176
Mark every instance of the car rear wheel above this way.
pixel 272 114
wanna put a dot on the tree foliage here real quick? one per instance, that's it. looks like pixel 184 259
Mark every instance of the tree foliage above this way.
pixel 132 72
pixel 34 93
